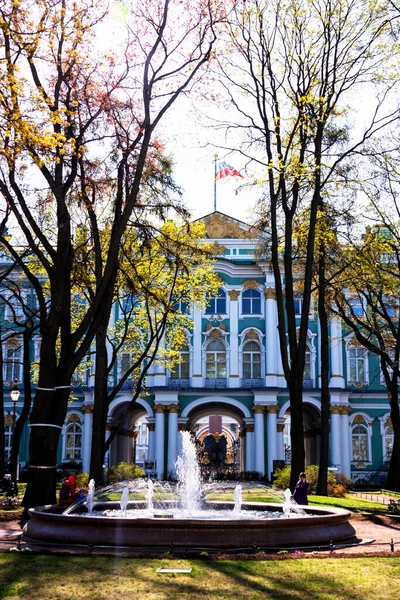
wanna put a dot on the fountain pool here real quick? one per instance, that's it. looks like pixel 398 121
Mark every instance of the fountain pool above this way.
pixel 151 515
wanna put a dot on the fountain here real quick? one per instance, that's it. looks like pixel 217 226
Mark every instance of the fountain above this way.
pixel 153 515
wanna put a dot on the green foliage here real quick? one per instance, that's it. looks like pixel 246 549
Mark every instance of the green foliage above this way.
pixel 394 507
pixel 82 480
pixel 124 471
pixel 10 502
pixel 338 484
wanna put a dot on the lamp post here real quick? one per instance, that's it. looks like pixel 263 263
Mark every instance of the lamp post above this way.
pixel 15 394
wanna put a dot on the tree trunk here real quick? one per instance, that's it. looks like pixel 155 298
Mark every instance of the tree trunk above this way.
pixel 100 407
pixel 47 419
pixel 322 484
pixel 296 432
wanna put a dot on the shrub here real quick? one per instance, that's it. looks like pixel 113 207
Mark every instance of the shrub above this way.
pixel 338 490
pixel 10 502
pixel 346 482
pixel 337 484
pixel 82 480
pixel 124 471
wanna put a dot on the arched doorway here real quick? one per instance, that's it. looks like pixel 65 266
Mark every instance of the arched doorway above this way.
pixel 312 434
pixel 218 430
pixel 131 443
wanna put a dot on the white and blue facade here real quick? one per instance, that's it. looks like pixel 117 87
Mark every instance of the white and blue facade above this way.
pixel 231 369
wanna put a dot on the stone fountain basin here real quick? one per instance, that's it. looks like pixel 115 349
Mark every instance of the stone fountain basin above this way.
pixel 320 526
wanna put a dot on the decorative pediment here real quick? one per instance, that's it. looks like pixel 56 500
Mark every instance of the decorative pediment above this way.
pixel 221 226
pixel 251 335
pixel 250 284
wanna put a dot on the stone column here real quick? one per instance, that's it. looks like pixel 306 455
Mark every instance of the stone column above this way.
pixel 159 409
pixel 271 339
pixel 259 450
pixel 234 376
pixel 346 439
pixel 173 410
pixel 336 343
pixel 272 443
pixel 280 428
pixel 159 377
pixel 151 454
pixel 336 455
pixel 197 374
pixel 131 448
pixel 87 436
pixel 249 449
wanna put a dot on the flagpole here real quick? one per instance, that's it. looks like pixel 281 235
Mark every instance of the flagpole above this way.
pixel 215 182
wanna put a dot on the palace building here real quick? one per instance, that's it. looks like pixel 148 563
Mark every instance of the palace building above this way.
pixel 229 388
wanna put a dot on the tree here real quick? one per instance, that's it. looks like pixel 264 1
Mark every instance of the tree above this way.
pixel 153 283
pixel 289 73
pixel 367 294
pixel 77 146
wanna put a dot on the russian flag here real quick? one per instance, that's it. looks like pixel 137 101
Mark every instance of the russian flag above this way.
pixel 225 170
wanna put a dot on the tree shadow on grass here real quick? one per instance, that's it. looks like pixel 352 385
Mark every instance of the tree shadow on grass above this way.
pixel 35 577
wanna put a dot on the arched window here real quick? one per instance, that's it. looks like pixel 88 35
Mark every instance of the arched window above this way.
pixel 251 360
pixel 7 441
pixel 216 360
pixel 251 302
pixel 357 364
pixel 359 443
pixel 182 370
pixel 217 304
pixel 389 437
pixel 73 441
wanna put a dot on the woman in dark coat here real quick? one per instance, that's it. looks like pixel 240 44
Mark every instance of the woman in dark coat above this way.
pixel 301 490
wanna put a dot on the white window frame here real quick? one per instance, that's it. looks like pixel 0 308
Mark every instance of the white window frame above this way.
pixel 15 364
pixel 368 424
pixel 67 423
pixel 351 344
pixel 243 340
pixel 251 314
pixel 383 426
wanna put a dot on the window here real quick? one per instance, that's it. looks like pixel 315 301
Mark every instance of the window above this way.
pixel 125 363
pixel 182 306
pixel 182 370
pixel 298 301
pixel 359 441
pixel 389 436
pixel 217 304
pixel 307 366
pixel 73 443
pixel 13 363
pixel 251 302
pixel 357 367
pixel 356 308
pixel 7 441
pixel 14 308
pixel 215 360
pixel 251 361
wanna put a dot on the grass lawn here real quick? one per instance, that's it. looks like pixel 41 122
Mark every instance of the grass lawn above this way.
pixel 35 577
pixel 349 502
